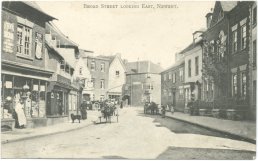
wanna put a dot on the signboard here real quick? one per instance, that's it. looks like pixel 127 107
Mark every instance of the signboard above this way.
pixel 35 87
pixel 8 37
pixel 42 88
pixel 8 84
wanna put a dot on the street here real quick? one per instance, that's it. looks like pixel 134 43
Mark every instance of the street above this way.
pixel 135 136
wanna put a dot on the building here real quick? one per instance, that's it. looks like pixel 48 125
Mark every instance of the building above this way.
pixel 116 77
pixel 143 83
pixel 82 73
pixel 64 90
pixel 99 69
pixel 24 73
pixel 239 49
pixel 216 55
pixel 172 85
pixel 252 59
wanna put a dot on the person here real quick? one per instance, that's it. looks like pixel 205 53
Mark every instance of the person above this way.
pixel 20 114
pixel 121 104
pixel 163 109
pixel 83 110
pixel 172 109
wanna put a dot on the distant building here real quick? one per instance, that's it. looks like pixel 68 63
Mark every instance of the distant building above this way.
pixel 143 83
pixel 99 69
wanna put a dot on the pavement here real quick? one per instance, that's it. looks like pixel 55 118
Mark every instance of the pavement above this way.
pixel 245 130
pixel 29 133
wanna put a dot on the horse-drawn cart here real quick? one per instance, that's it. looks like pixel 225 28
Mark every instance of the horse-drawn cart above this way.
pixel 107 112
pixel 151 108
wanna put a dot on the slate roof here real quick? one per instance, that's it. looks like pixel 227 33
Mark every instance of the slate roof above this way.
pixel 131 67
pixel 176 64
pixel 36 7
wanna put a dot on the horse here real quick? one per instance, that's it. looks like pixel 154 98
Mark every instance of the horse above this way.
pixel 152 107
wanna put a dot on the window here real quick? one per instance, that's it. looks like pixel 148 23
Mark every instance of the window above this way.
pixel 102 67
pixel 254 15
pixel 197 65
pixel 181 75
pixel 165 76
pixel 165 92
pixel 170 76
pixel 254 53
pixel 93 82
pixel 243 36
pixel 102 84
pixel 234 42
pixel 234 85
pixel 150 87
pixel 80 71
pixel 243 84
pixel 174 77
pixel 24 37
pixel 189 68
pixel 117 73
pixel 93 66
pixel 169 94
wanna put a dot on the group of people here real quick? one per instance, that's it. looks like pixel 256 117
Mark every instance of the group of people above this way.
pixel 168 107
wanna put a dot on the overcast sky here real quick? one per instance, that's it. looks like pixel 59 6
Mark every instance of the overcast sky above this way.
pixel 153 34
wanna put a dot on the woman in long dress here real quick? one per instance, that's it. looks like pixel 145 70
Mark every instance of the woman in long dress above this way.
pixel 20 113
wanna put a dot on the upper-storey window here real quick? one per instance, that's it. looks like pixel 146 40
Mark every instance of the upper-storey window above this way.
pixel 243 36
pixel 24 37
pixel 189 68
pixel 102 67
pixel 93 66
pixel 234 41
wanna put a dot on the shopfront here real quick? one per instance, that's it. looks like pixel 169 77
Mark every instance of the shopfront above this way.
pixel 31 90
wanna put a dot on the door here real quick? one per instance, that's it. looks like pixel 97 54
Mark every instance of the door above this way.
pixel 174 99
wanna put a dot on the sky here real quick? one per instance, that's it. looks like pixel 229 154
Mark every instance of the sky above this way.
pixel 154 34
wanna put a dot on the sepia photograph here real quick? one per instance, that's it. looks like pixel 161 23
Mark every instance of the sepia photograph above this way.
pixel 128 80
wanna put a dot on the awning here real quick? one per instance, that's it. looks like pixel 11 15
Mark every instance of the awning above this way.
pixel 23 75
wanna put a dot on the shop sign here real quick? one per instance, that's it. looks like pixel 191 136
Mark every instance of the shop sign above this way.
pixel 8 37
pixel 52 95
pixel 38 44
pixel 8 84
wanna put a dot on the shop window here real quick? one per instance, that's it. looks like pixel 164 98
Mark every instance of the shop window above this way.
pixel 234 41
pixel 7 106
pixel 243 36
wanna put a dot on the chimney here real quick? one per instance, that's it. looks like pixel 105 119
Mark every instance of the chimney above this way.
pixel 208 19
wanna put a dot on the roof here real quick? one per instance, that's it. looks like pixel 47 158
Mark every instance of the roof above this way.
pixel 191 46
pixel 110 58
pixel 228 5
pixel 55 32
pixel 34 5
pixel 143 67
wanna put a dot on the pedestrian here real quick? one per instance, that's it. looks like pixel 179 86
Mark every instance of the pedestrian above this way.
pixel 172 109
pixel 121 104
pixel 163 110
pixel 83 109
pixel 19 109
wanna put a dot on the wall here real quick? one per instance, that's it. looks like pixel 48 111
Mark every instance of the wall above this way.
pixel 98 75
pixel 191 55
pixel 37 27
